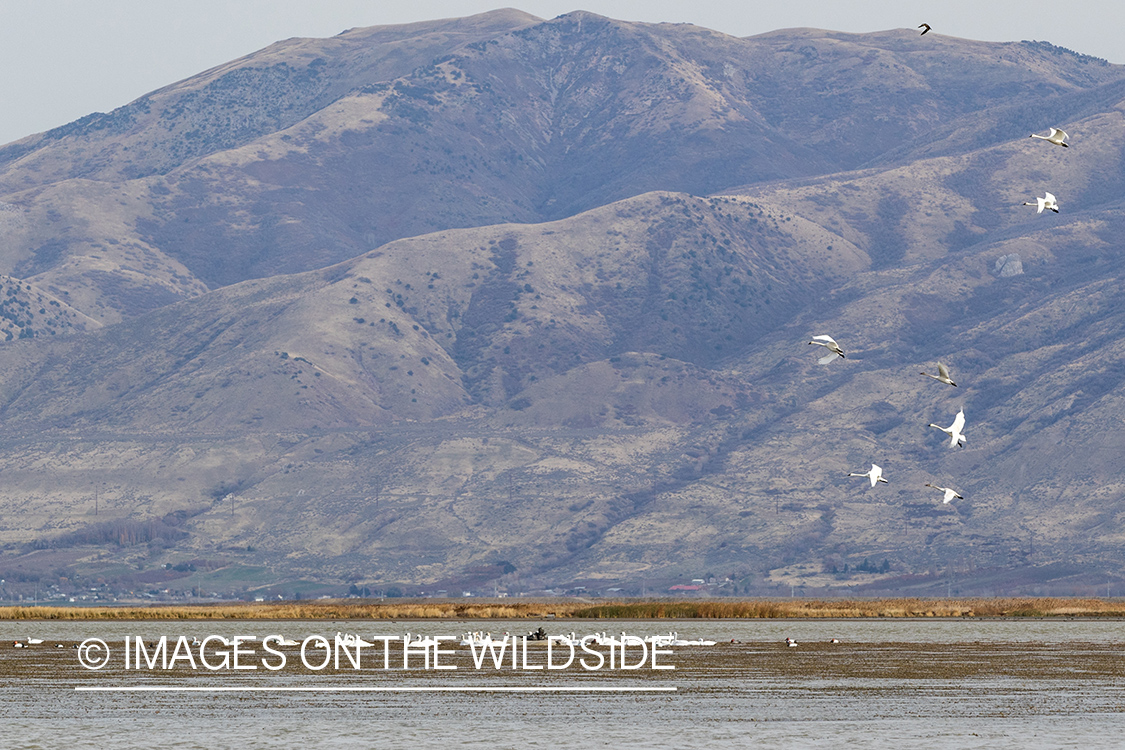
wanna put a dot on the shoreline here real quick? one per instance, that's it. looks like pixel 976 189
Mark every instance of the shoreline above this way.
pixel 775 609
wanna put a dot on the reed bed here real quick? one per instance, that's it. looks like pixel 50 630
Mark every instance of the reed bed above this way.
pixel 331 610
pixel 837 608
pixel 646 610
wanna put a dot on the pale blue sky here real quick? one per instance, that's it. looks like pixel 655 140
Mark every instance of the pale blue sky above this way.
pixel 62 59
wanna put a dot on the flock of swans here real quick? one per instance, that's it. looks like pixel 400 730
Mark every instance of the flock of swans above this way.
pixel 1057 136
pixel 956 435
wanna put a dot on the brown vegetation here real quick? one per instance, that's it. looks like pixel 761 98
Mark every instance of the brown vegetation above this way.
pixel 650 610
pixel 321 610
pixel 806 608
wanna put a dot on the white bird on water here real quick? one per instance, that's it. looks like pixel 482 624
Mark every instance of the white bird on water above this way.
pixel 942 376
pixel 1057 137
pixel 830 344
pixel 876 475
pixel 1049 202
pixel 956 437
pixel 949 493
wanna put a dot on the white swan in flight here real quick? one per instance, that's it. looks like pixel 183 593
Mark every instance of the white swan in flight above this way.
pixel 949 493
pixel 876 475
pixel 1047 202
pixel 956 437
pixel 830 344
pixel 1057 137
pixel 942 375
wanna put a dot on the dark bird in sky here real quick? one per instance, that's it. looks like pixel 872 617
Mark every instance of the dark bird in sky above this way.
pixel 925 26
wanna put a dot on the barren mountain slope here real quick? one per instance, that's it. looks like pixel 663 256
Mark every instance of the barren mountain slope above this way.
pixel 624 465
pixel 456 325
pixel 481 121
pixel 525 330
pixel 423 327
pixel 236 103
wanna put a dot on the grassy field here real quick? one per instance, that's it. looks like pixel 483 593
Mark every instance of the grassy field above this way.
pixel 655 610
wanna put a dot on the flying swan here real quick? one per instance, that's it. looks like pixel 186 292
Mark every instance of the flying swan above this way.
pixel 830 344
pixel 956 437
pixel 1057 137
pixel 942 375
pixel 949 494
pixel 1047 202
pixel 876 475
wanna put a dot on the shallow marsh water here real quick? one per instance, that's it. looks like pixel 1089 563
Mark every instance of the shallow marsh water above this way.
pixel 924 682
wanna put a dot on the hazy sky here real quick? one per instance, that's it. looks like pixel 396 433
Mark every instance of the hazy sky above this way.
pixel 62 59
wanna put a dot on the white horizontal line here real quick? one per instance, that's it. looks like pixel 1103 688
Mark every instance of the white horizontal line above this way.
pixel 351 689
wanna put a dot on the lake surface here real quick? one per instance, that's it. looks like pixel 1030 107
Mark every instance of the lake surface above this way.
pixel 922 683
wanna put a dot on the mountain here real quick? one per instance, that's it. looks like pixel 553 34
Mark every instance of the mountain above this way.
pixel 509 303
pixel 315 151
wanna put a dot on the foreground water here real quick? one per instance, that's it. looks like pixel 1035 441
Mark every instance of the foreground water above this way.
pixel 886 684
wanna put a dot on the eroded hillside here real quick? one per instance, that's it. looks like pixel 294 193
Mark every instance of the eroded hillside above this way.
pixel 516 303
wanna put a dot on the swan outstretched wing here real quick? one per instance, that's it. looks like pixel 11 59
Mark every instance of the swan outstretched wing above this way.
pixel 830 344
pixel 876 474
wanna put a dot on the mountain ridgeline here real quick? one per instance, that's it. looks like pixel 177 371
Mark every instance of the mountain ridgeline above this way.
pixel 516 304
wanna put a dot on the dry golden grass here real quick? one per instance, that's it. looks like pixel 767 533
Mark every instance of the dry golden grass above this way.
pixel 811 608
pixel 492 610
pixel 326 610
